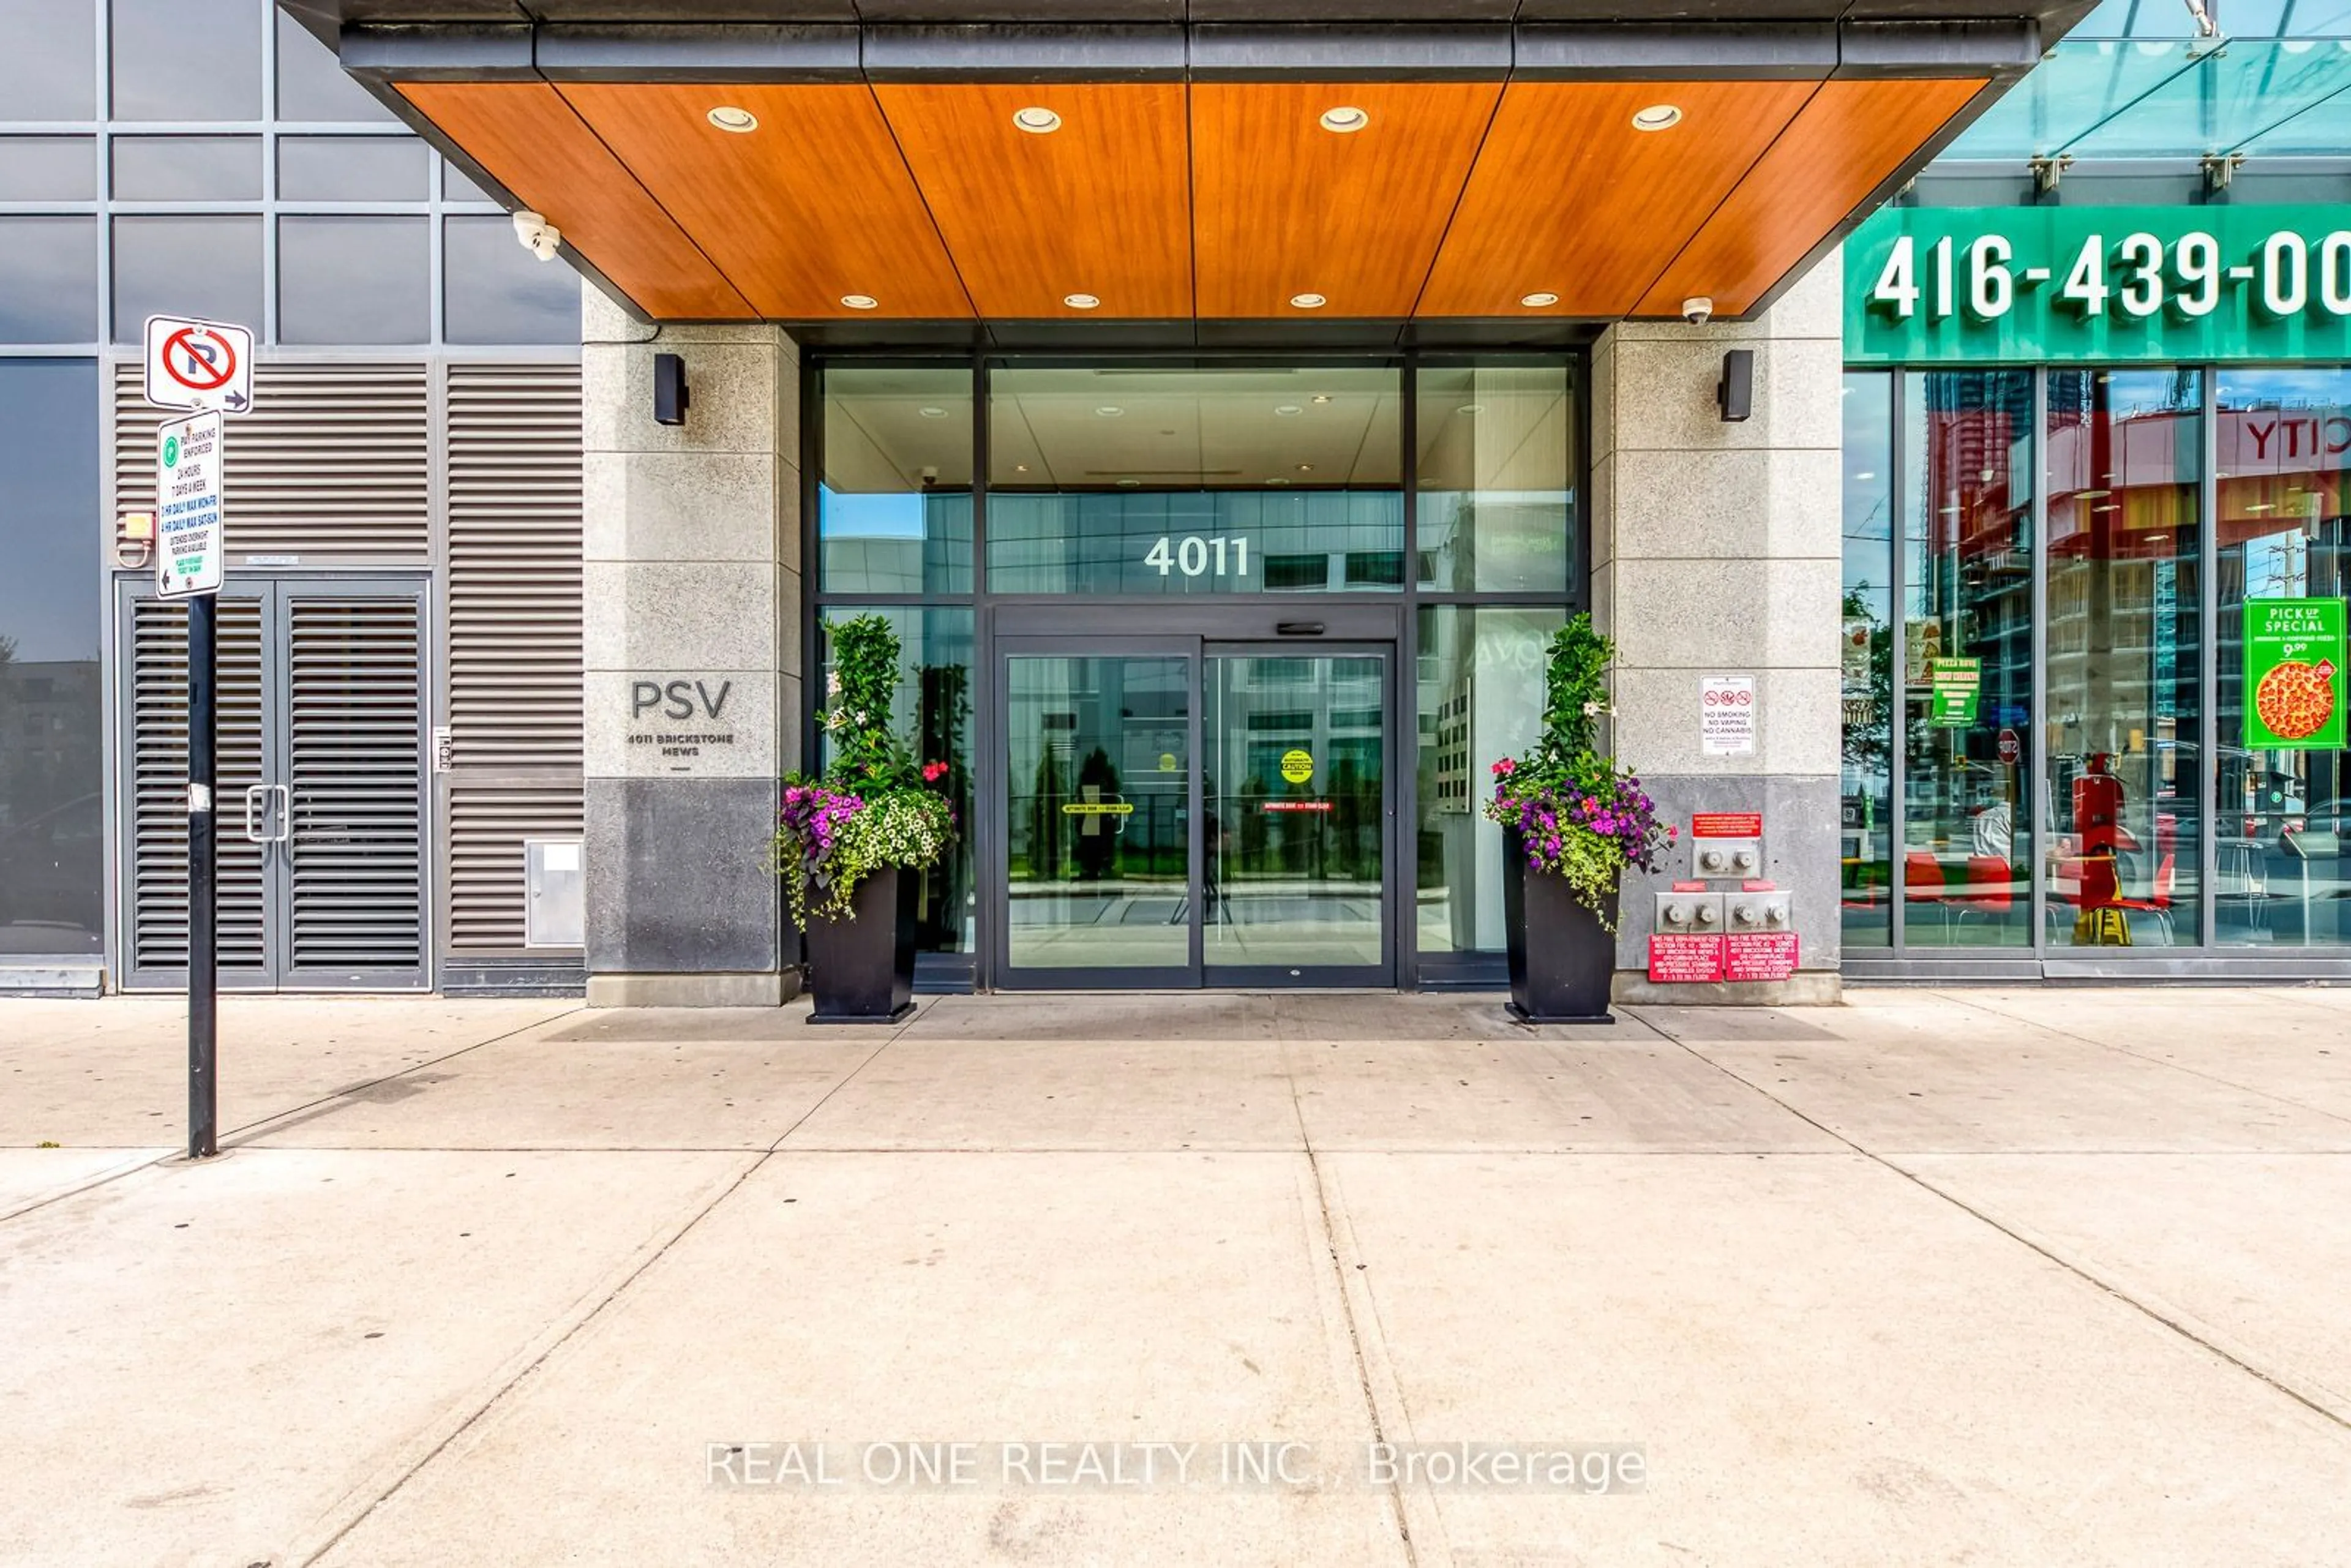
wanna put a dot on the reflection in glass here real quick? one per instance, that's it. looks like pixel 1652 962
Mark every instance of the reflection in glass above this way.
pixel 2125 799
pixel 187 168
pixel 48 55
pixel 2283 818
pixel 49 280
pixel 1195 482
pixel 1967 581
pixel 49 168
pixel 352 169
pixel 312 84
pixel 354 280
pixel 494 291
pixel 186 265
pixel 1496 477
pixel 187 59
pixel 934 716
pixel 1295 777
pixel 51 714
pixel 1482 690
pixel 894 501
pixel 1097 812
pixel 1865 674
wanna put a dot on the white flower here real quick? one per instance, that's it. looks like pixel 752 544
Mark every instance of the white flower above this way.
pixel 832 684
pixel 1592 710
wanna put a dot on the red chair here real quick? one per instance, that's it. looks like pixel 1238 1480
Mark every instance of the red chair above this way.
pixel 1923 882
pixel 1991 890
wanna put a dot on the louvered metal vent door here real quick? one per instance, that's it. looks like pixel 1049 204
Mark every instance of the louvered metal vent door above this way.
pixel 354 867
pixel 154 816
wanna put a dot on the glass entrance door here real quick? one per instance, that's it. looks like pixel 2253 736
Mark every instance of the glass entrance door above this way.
pixel 1182 814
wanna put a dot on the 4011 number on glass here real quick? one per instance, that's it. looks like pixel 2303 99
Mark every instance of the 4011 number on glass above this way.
pixel 1196 555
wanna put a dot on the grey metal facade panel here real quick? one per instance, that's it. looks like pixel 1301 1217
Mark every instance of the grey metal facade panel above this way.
pixel 2005 49
pixel 1331 51
pixel 1566 51
pixel 425 53
pixel 1011 53
pixel 718 52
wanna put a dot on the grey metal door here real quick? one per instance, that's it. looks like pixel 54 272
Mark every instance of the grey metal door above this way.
pixel 321 793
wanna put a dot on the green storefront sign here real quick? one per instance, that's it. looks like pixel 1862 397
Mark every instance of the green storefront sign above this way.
pixel 2293 674
pixel 1956 684
pixel 2099 285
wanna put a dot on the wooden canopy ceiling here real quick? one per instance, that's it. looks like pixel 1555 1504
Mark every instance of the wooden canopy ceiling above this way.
pixel 1209 200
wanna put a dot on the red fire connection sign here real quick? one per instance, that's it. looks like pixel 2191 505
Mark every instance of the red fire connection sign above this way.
pixel 1759 954
pixel 1727 825
pixel 1686 958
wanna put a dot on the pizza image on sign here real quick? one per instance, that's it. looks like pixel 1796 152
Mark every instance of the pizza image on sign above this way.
pixel 2294 700
pixel 2293 656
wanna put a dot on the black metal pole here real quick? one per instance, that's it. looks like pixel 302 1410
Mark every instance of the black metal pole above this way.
pixel 203 1120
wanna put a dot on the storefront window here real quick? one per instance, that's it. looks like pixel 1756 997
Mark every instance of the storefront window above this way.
pixel 934 716
pixel 1195 482
pixel 1496 478
pixel 894 501
pixel 1482 690
pixel 1866 680
pixel 2283 444
pixel 1966 659
pixel 2124 805
pixel 51 861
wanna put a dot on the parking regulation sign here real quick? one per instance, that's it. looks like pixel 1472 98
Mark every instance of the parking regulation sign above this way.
pixel 188 542
pixel 199 365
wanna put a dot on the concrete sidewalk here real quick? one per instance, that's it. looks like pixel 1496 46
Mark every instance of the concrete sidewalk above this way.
pixel 2010 1277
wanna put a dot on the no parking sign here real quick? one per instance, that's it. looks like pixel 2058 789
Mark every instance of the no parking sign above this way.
pixel 204 366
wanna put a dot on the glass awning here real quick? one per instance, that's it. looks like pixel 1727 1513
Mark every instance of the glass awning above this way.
pixel 2133 82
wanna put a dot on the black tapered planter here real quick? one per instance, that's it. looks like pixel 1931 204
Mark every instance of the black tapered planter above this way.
pixel 1561 957
pixel 861 970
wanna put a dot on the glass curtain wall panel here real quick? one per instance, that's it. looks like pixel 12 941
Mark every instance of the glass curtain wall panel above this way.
pixel 1967 857
pixel 1866 673
pixel 1496 478
pixel 1195 482
pixel 893 497
pixel 2282 813
pixel 2124 810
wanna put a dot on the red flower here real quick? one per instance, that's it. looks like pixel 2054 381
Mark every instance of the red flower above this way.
pixel 1505 768
pixel 933 771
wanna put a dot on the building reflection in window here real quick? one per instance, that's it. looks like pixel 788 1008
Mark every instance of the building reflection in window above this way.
pixel 2284 445
pixel 1966 659
pixel 2124 807
pixel 1866 680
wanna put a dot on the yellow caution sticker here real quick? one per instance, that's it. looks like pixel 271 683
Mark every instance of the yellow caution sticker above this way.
pixel 1297 765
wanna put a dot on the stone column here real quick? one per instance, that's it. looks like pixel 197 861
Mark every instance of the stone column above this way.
pixel 692 645
pixel 1717 549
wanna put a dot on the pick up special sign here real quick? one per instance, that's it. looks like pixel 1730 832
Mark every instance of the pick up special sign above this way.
pixel 2293 674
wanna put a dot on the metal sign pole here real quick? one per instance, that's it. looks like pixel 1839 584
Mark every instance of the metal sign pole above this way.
pixel 205 367
pixel 203 964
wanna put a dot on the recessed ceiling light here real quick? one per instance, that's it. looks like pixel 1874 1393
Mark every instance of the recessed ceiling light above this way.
pixel 1308 301
pixel 1129 484
pixel 1288 409
pixel 1321 397
pixel 1866 473
pixel 1306 467
pixel 1021 467
pixel 1471 408
pixel 861 301
pixel 1037 119
pixel 1109 410
pixel 726 117
pixel 1079 302
pixel 1658 117
pixel 1345 118
pixel 1538 299
pixel 1277 479
pixel 929 412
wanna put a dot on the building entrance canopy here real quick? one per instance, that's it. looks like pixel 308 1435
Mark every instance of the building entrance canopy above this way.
pixel 864 167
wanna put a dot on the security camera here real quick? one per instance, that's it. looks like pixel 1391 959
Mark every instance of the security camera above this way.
pixel 535 234
pixel 1697 311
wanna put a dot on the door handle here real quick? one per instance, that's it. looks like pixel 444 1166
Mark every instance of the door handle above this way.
pixel 285 813
pixel 252 829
